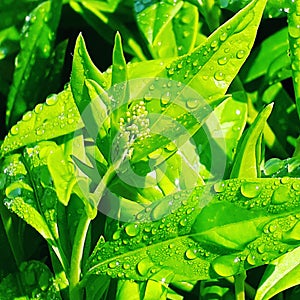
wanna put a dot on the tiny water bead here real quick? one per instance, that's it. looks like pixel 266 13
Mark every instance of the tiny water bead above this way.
pixel 223 60
pixel 27 116
pixel 192 103
pixel 51 100
pixel 240 54
pixel 219 76
pixel 14 130
pixel 38 109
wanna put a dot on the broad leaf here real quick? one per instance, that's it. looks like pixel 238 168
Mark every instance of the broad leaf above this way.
pixel 207 232
pixel 59 112
pixel 33 280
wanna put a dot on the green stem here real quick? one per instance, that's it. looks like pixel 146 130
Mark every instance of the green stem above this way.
pixel 81 233
pixel 249 290
pixel 76 257
pixel 239 286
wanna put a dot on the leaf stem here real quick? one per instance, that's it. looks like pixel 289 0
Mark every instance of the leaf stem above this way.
pixel 76 257
pixel 81 233
pixel 239 285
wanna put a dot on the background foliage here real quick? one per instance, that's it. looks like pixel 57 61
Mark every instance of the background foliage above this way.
pixel 194 139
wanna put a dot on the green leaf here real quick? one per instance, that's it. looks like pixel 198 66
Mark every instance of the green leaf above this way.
pixel 260 59
pixel 13 13
pixel 34 278
pixel 207 232
pixel 59 112
pixel 83 69
pixel 247 161
pixel 155 23
pixel 294 40
pixel 219 137
pixel 107 24
pixel 9 41
pixel 212 66
pixel 29 192
pixel 280 275
pixel 37 41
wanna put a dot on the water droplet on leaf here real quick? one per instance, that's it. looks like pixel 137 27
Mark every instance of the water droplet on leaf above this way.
pixel 280 195
pixel 226 265
pixel 191 253
pixel 132 229
pixel 250 189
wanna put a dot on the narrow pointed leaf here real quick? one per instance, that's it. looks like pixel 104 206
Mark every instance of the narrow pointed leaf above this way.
pixel 246 164
pixel 37 42
pixel 294 40
pixel 280 275
pixel 212 66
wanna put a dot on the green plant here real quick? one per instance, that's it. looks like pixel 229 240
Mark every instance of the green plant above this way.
pixel 151 180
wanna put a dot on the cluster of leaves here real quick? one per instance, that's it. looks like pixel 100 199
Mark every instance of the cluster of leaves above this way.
pixel 172 173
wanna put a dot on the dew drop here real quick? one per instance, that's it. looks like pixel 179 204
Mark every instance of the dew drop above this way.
pixel 148 97
pixel 39 131
pixel 226 265
pixel 126 266
pixel 223 60
pixel 192 103
pixel 219 76
pixel 116 235
pixel 261 248
pixel 219 187
pixel 251 259
pixel 186 34
pixel 240 54
pixel 132 229
pixel 179 66
pixel 191 253
pixel 165 99
pixel 70 121
pixel 14 130
pixel 296 186
pixel 185 20
pixel 183 221
pixel 171 147
pixel 280 195
pixel 214 44
pixel 27 116
pixel 113 264
pixel 51 99
pixel 250 189
pixel 38 109
pixel 223 36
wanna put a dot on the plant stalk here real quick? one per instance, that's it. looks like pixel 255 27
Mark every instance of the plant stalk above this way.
pixel 239 286
pixel 76 257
